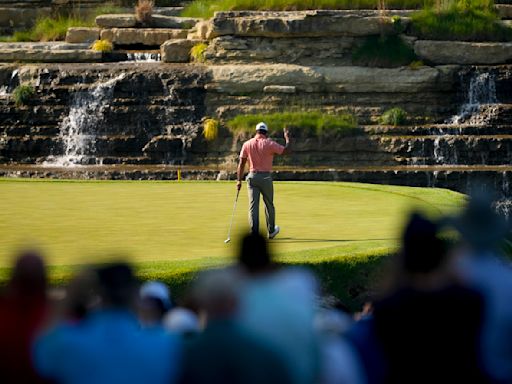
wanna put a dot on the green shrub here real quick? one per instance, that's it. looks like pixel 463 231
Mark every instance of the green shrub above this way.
pixel 315 122
pixel 197 52
pixel 383 51
pixel 22 94
pixel 393 116
pixel 206 8
pixel 470 20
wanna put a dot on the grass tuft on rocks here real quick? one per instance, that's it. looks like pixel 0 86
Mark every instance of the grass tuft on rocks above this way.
pixel 210 129
pixel 393 116
pixel 313 122
pixel 54 28
pixel 206 8
pixel 22 94
pixel 468 20
pixel 197 52
pixel 102 46
pixel 144 11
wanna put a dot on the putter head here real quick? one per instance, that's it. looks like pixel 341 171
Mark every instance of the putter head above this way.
pixel 227 240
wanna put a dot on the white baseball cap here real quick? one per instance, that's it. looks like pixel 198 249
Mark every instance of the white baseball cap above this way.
pixel 261 126
pixel 156 290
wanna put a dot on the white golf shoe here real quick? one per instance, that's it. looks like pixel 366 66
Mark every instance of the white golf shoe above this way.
pixel 274 234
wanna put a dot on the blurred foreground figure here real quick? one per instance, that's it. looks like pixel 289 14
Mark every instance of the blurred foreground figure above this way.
pixel 427 330
pixel 108 346
pixel 225 352
pixel 278 305
pixel 154 302
pixel 481 266
pixel 23 308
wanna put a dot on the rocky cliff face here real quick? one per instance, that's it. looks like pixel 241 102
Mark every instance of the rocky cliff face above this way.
pixel 138 120
pixel 102 114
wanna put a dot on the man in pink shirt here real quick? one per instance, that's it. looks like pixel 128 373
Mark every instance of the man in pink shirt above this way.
pixel 260 151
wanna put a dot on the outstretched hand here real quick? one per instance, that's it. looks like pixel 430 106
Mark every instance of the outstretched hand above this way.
pixel 238 185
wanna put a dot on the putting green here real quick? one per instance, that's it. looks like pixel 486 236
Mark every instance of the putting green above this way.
pixel 77 222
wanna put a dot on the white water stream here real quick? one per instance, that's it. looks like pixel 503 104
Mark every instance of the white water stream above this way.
pixel 481 93
pixel 78 129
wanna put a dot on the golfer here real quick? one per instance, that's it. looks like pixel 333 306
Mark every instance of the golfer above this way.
pixel 260 151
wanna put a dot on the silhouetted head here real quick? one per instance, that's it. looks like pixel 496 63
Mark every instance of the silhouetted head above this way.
pixel 117 285
pixel 29 275
pixel 254 255
pixel 217 293
pixel 479 224
pixel 422 250
pixel 154 302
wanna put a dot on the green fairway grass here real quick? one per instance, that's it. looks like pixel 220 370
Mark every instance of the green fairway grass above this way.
pixel 171 229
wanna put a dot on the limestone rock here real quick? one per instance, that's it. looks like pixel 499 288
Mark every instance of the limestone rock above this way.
pixel 82 35
pixel 463 53
pixel 299 24
pixel 253 78
pixel 160 147
pixel 200 30
pixel 504 10
pixel 168 11
pixel 48 45
pixel 326 51
pixel 17 17
pixel 279 89
pixel 177 51
pixel 242 79
pixel 162 21
pixel 116 21
pixel 144 36
pixel 50 56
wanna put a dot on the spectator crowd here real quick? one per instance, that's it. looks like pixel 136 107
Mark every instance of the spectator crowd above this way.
pixel 445 316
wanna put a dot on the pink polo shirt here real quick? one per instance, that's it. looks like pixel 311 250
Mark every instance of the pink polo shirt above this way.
pixel 260 151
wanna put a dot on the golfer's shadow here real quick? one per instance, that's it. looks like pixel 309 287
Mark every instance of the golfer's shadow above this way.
pixel 305 240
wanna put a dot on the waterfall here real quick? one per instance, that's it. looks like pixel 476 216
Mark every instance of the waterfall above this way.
pixel 6 90
pixel 481 93
pixel 142 57
pixel 78 129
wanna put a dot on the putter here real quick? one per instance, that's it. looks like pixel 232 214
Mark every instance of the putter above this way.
pixel 232 216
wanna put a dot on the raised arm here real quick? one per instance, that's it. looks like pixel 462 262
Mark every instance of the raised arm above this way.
pixel 288 145
pixel 240 172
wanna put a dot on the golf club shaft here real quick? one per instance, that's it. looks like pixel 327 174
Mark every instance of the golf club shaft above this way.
pixel 233 214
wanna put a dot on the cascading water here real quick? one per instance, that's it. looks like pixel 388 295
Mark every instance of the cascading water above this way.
pixel 480 99
pixel 143 57
pixel 78 129
pixel 7 89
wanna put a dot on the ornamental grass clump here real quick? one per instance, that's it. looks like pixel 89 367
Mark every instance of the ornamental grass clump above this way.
pixel 144 11
pixel 393 116
pixel 22 94
pixel 197 52
pixel 102 46
pixel 210 129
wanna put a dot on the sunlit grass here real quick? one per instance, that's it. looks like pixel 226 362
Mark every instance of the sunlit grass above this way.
pixel 206 8
pixel 171 230
pixel 314 122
